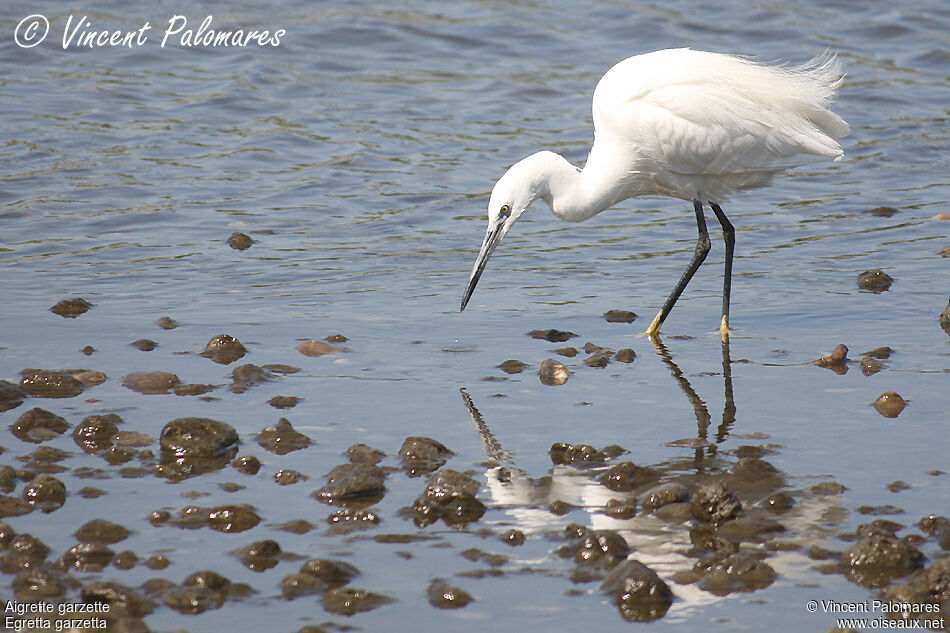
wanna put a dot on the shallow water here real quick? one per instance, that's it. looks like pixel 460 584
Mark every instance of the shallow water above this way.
pixel 358 155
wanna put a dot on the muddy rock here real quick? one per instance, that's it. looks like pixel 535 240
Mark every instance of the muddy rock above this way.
pixel 837 361
pixel 874 280
pixel 249 465
pixel 640 595
pixel 233 518
pixel 617 509
pixel 34 585
pixel 945 319
pixel 197 437
pixel 879 558
pixel 576 455
pixel 423 455
pixel 742 571
pixel 553 373
pixel 284 402
pixel 599 359
pixel 363 454
pixel 713 502
pixel 166 323
pixel 349 601
pixel 779 502
pixel 664 494
pixel 626 355
pixel 442 595
pixel 882 212
pixel 71 308
pixel 240 241
pixel 224 349
pixel 260 555
pixel 199 592
pixel 450 496
pixel 101 531
pixel 7 480
pixel 87 557
pixel 602 548
pixel 11 396
pixel 889 404
pixel 552 335
pixel 870 366
pixel 568 352
pixel 332 572
pixel 245 376
pixel 621 477
pixel 97 432
pixel 347 518
pixel 45 492
pixel 620 316
pixel 296 585
pixel 150 382
pixel 282 438
pixel 288 477
pixel 38 425
pixel 512 366
pixel 144 344
pixel 122 601
pixel 51 383
pixel 348 484
pixel 315 348
pixel 13 507
pixel 513 537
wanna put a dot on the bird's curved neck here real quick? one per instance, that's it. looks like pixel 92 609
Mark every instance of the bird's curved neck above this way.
pixel 576 195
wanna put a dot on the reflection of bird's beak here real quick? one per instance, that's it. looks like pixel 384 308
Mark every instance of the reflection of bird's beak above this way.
pixel 492 237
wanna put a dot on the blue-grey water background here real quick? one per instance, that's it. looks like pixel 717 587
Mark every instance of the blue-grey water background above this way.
pixel 358 154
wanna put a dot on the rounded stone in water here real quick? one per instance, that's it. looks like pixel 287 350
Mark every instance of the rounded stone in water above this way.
pixel 240 241
pixel 282 438
pixel 150 382
pixel 71 308
pixel 11 396
pixel 197 437
pixel 101 531
pixel 445 596
pixel 46 383
pixel 38 425
pixel 640 595
pixel 224 349
pixel 553 373
pixel 45 492
pixel 875 280
pixel 889 404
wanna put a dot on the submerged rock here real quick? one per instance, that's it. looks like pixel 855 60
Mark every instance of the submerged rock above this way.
pixel 620 316
pixel 97 432
pixel 71 308
pixel 945 319
pixel 315 348
pixel 38 425
pixel 51 383
pixel 552 335
pixel 445 596
pixel 713 502
pixel 837 361
pixel 282 438
pixel 875 280
pixel 197 437
pixel 889 404
pixel 553 373
pixel 150 382
pixel 348 601
pixel 879 558
pixel 166 323
pixel 576 454
pixel 45 492
pixel 101 531
pixel 512 366
pixel 423 455
pixel 11 396
pixel 353 483
pixel 224 349
pixel 640 595
pixel 240 241
pixel 743 571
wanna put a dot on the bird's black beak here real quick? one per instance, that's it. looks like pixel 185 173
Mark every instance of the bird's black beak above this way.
pixel 492 238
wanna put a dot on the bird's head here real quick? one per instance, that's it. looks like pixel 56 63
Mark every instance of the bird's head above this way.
pixel 512 195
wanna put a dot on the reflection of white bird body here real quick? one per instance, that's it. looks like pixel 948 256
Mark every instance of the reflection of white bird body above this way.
pixel 682 123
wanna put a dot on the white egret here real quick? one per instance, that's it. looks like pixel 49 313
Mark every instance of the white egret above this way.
pixel 688 124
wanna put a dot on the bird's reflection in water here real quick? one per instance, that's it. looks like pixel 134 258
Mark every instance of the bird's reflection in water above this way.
pixel 668 516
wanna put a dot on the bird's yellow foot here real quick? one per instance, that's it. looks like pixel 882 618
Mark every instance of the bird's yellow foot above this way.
pixel 654 328
pixel 724 327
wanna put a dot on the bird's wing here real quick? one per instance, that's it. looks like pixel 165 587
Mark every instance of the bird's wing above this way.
pixel 697 113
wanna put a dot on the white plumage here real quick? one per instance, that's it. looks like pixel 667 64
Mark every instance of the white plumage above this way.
pixel 688 124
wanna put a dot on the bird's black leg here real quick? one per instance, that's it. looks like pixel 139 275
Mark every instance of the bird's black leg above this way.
pixel 702 248
pixel 729 235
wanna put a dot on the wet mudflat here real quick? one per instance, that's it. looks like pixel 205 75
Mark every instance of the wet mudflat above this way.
pixel 235 393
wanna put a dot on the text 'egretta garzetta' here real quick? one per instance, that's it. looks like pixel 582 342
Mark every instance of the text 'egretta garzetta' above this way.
pixel 688 124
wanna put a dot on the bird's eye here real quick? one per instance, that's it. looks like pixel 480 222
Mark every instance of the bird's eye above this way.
pixel 505 211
